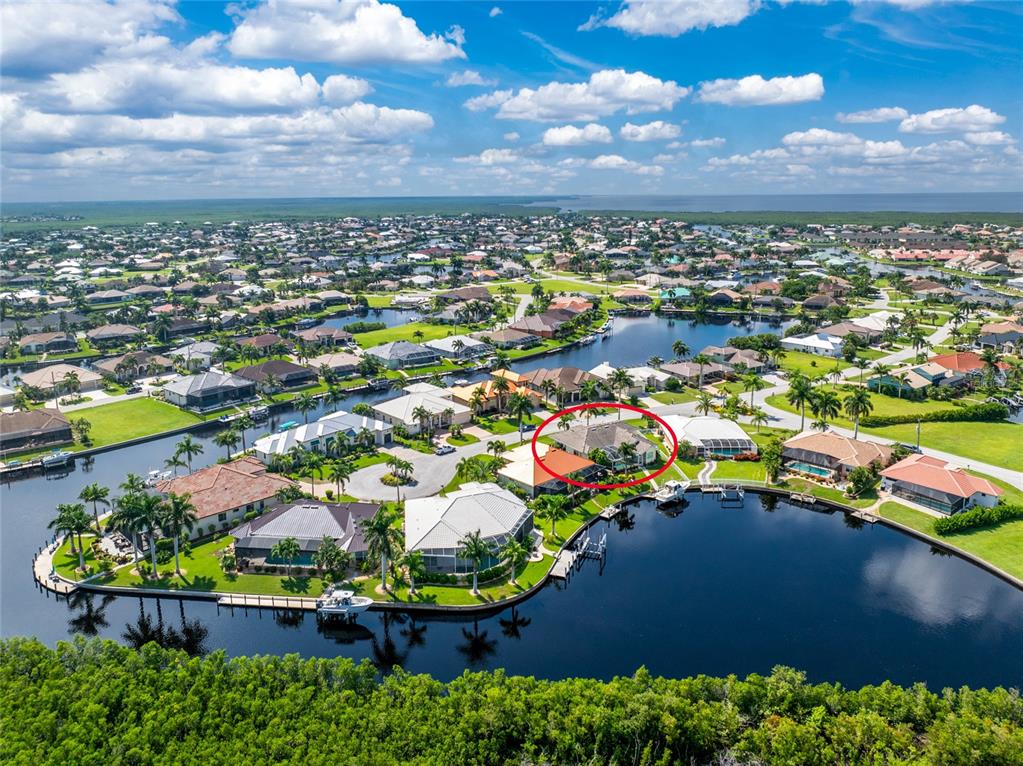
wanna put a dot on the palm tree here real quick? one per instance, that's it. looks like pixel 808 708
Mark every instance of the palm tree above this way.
pixel 339 472
pixel 520 408
pixel 69 520
pixel 680 349
pixel 620 382
pixel 177 518
pixel 565 421
pixel 901 378
pixel 799 395
pixel 334 396
pixel 151 511
pixel 752 383
pixel 703 360
pixel 312 466
pixel 382 538
pixel 825 406
pixel 496 447
pixel 174 462
pixel 415 567
pixel 759 418
pixel 305 403
pixel 501 387
pixel 628 452
pixel 330 557
pixel 589 390
pixel 477 550
pixel 188 447
pixel 551 508
pixel 95 494
pixel 549 389
pixel 704 403
pixel 425 418
pixel 477 401
pixel 858 404
pixel 287 550
pixel 227 439
pixel 516 553
pixel 127 519
pixel 242 424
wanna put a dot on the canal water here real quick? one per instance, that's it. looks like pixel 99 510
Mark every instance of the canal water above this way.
pixel 713 590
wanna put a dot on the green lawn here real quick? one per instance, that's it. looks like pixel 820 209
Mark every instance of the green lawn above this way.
pixel 461 441
pixel 364 461
pixel 503 425
pixel 671 397
pixel 1001 545
pixel 865 500
pixel 407 331
pixel 809 364
pixel 884 405
pixel 66 563
pixel 740 469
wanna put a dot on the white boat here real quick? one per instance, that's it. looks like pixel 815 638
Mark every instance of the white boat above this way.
pixel 587 339
pixel 55 458
pixel 155 476
pixel 671 492
pixel 259 413
pixel 461 381
pixel 337 602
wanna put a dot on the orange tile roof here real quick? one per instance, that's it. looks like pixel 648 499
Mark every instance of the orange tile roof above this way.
pixel 560 462
pixel 936 474
pixel 226 486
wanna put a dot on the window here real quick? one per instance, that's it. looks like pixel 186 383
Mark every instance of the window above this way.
pixel 221 517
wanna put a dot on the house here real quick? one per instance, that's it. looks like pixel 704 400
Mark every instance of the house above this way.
pixel 641 378
pixel 692 373
pixel 508 338
pixel 340 362
pixel 290 375
pixel 546 325
pixel 209 391
pixel 47 342
pixel 828 455
pixel 33 430
pixel 307 522
pixel 819 344
pixel 324 435
pixel 263 343
pixel 52 378
pixel 491 397
pixel 195 356
pixel 913 379
pixel 966 363
pixel 135 364
pixel 108 296
pixel 563 383
pixel 1003 336
pixel 631 295
pixel 820 302
pixel 434 526
pixel 572 303
pixel 113 334
pixel 223 493
pixel 611 439
pixel 534 477
pixel 711 436
pixel 843 330
pixel 401 354
pixel 459 347
pixel 724 298
pixel 444 411
pixel 936 484
pixel 325 337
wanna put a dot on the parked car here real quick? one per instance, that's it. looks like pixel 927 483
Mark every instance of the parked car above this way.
pixel 135 389
pixel 444 449
pixel 908 447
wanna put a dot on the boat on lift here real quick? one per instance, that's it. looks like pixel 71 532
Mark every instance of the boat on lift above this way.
pixel 259 414
pixel 672 492
pixel 155 476
pixel 338 602
pixel 55 459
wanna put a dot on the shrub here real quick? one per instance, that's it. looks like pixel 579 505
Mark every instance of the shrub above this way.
pixel 357 327
pixel 978 518
pixel 986 413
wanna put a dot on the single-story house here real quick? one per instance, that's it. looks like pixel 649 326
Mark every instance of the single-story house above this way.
pixel 818 344
pixel 711 435
pixel 53 378
pixel 223 493
pixel 439 402
pixel 609 438
pixel 33 429
pixel 1004 336
pixel 209 391
pixel 643 377
pixel 307 522
pixel 508 338
pixel 569 380
pixel 47 342
pixel 340 362
pixel 523 471
pixel 459 347
pixel 113 334
pixel 691 373
pixel 435 525
pixel 325 336
pixel 401 354
pixel 828 455
pixel 290 375
pixel 195 356
pixel 545 325
pixel 324 435
pixel 135 364
pixel 939 485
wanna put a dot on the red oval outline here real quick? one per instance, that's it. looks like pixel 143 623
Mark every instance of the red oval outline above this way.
pixel 598 405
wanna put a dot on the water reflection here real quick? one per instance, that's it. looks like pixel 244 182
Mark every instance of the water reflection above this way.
pixel 88 613
pixel 478 647
pixel 190 637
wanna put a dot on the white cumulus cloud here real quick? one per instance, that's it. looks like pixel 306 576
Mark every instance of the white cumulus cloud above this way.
pixel 606 92
pixel 495 11
pixel 467 77
pixel 491 157
pixel 972 119
pixel 342 89
pixel 570 135
pixel 707 143
pixel 339 32
pixel 881 114
pixel 617 162
pixel 658 130
pixel 756 91
pixel 671 18
pixel 990 138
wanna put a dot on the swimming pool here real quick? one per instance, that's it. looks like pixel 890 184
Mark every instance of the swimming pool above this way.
pixel 816 470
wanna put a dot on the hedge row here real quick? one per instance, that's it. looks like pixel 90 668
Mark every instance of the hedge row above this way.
pixel 978 518
pixel 988 413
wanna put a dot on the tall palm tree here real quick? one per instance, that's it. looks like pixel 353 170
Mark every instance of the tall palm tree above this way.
pixel 825 406
pixel 589 390
pixel 151 510
pixel 425 418
pixel 680 349
pixel 502 386
pixel 228 439
pixel 382 538
pixel 516 553
pixel 552 508
pixel 133 484
pixel 799 395
pixel 759 418
pixel 496 447
pixel 305 403
pixel 69 520
pixel 339 472
pixel 858 404
pixel 520 408
pixel 702 360
pixel 174 462
pixel 95 494
pixel 287 550
pixel 415 568
pixel 477 550
pixel 127 519
pixel 620 382
pixel 565 421
pixel 704 403
pixel 188 447
pixel 901 378
pixel 242 424
pixel 178 516
pixel 312 468
pixel 334 396
pixel 752 383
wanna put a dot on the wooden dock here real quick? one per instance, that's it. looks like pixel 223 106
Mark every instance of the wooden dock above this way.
pixel 267 602
pixel 799 497
pixel 610 512
pixel 46 576
pixel 865 516
pixel 564 564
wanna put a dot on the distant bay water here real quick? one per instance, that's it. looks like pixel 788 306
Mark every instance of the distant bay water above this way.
pixel 954 202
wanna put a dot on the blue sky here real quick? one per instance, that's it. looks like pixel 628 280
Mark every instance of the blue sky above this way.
pixel 149 99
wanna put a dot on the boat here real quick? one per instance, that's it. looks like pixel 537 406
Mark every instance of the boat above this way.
pixel 461 381
pixel 156 476
pixel 307 322
pixel 671 492
pixel 229 418
pixel 259 414
pixel 287 426
pixel 337 602
pixel 587 339
pixel 55 459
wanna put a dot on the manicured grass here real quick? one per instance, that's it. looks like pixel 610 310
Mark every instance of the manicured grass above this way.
pixel 461 441
pixel 1001 545
pixel 993 443
pixel 378 301
pixel 364 461
pixel 407 331
pixel 671 397
pixel 740 469
pixel 202 572
pixel 504 425
pixel 809 364
pixel 568 526
pixel 865 500
pixel 66 563
pixel 884 405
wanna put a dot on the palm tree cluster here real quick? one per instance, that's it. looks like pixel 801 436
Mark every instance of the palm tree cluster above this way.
pixel 825 404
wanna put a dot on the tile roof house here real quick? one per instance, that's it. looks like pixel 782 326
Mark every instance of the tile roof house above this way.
pixel 52 378
pixel 831 455
pixel 525 472
pixel 439 402
pixel 435 525
pixel 508 338
pixel 135 364
pixel 325 336
pixel 308 522
pixel 938 485
pixel 400 354
pixel 340 362
pixel 545 325
pixel 33 429
pixel 42 342
pixel 113 334
pixel 568 379
pixel 323 435
pixel 288 373
pixel 459 347
pixel 609 438
pixel 222 494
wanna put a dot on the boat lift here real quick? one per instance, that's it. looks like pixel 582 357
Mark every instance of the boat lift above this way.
pixel 570 559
